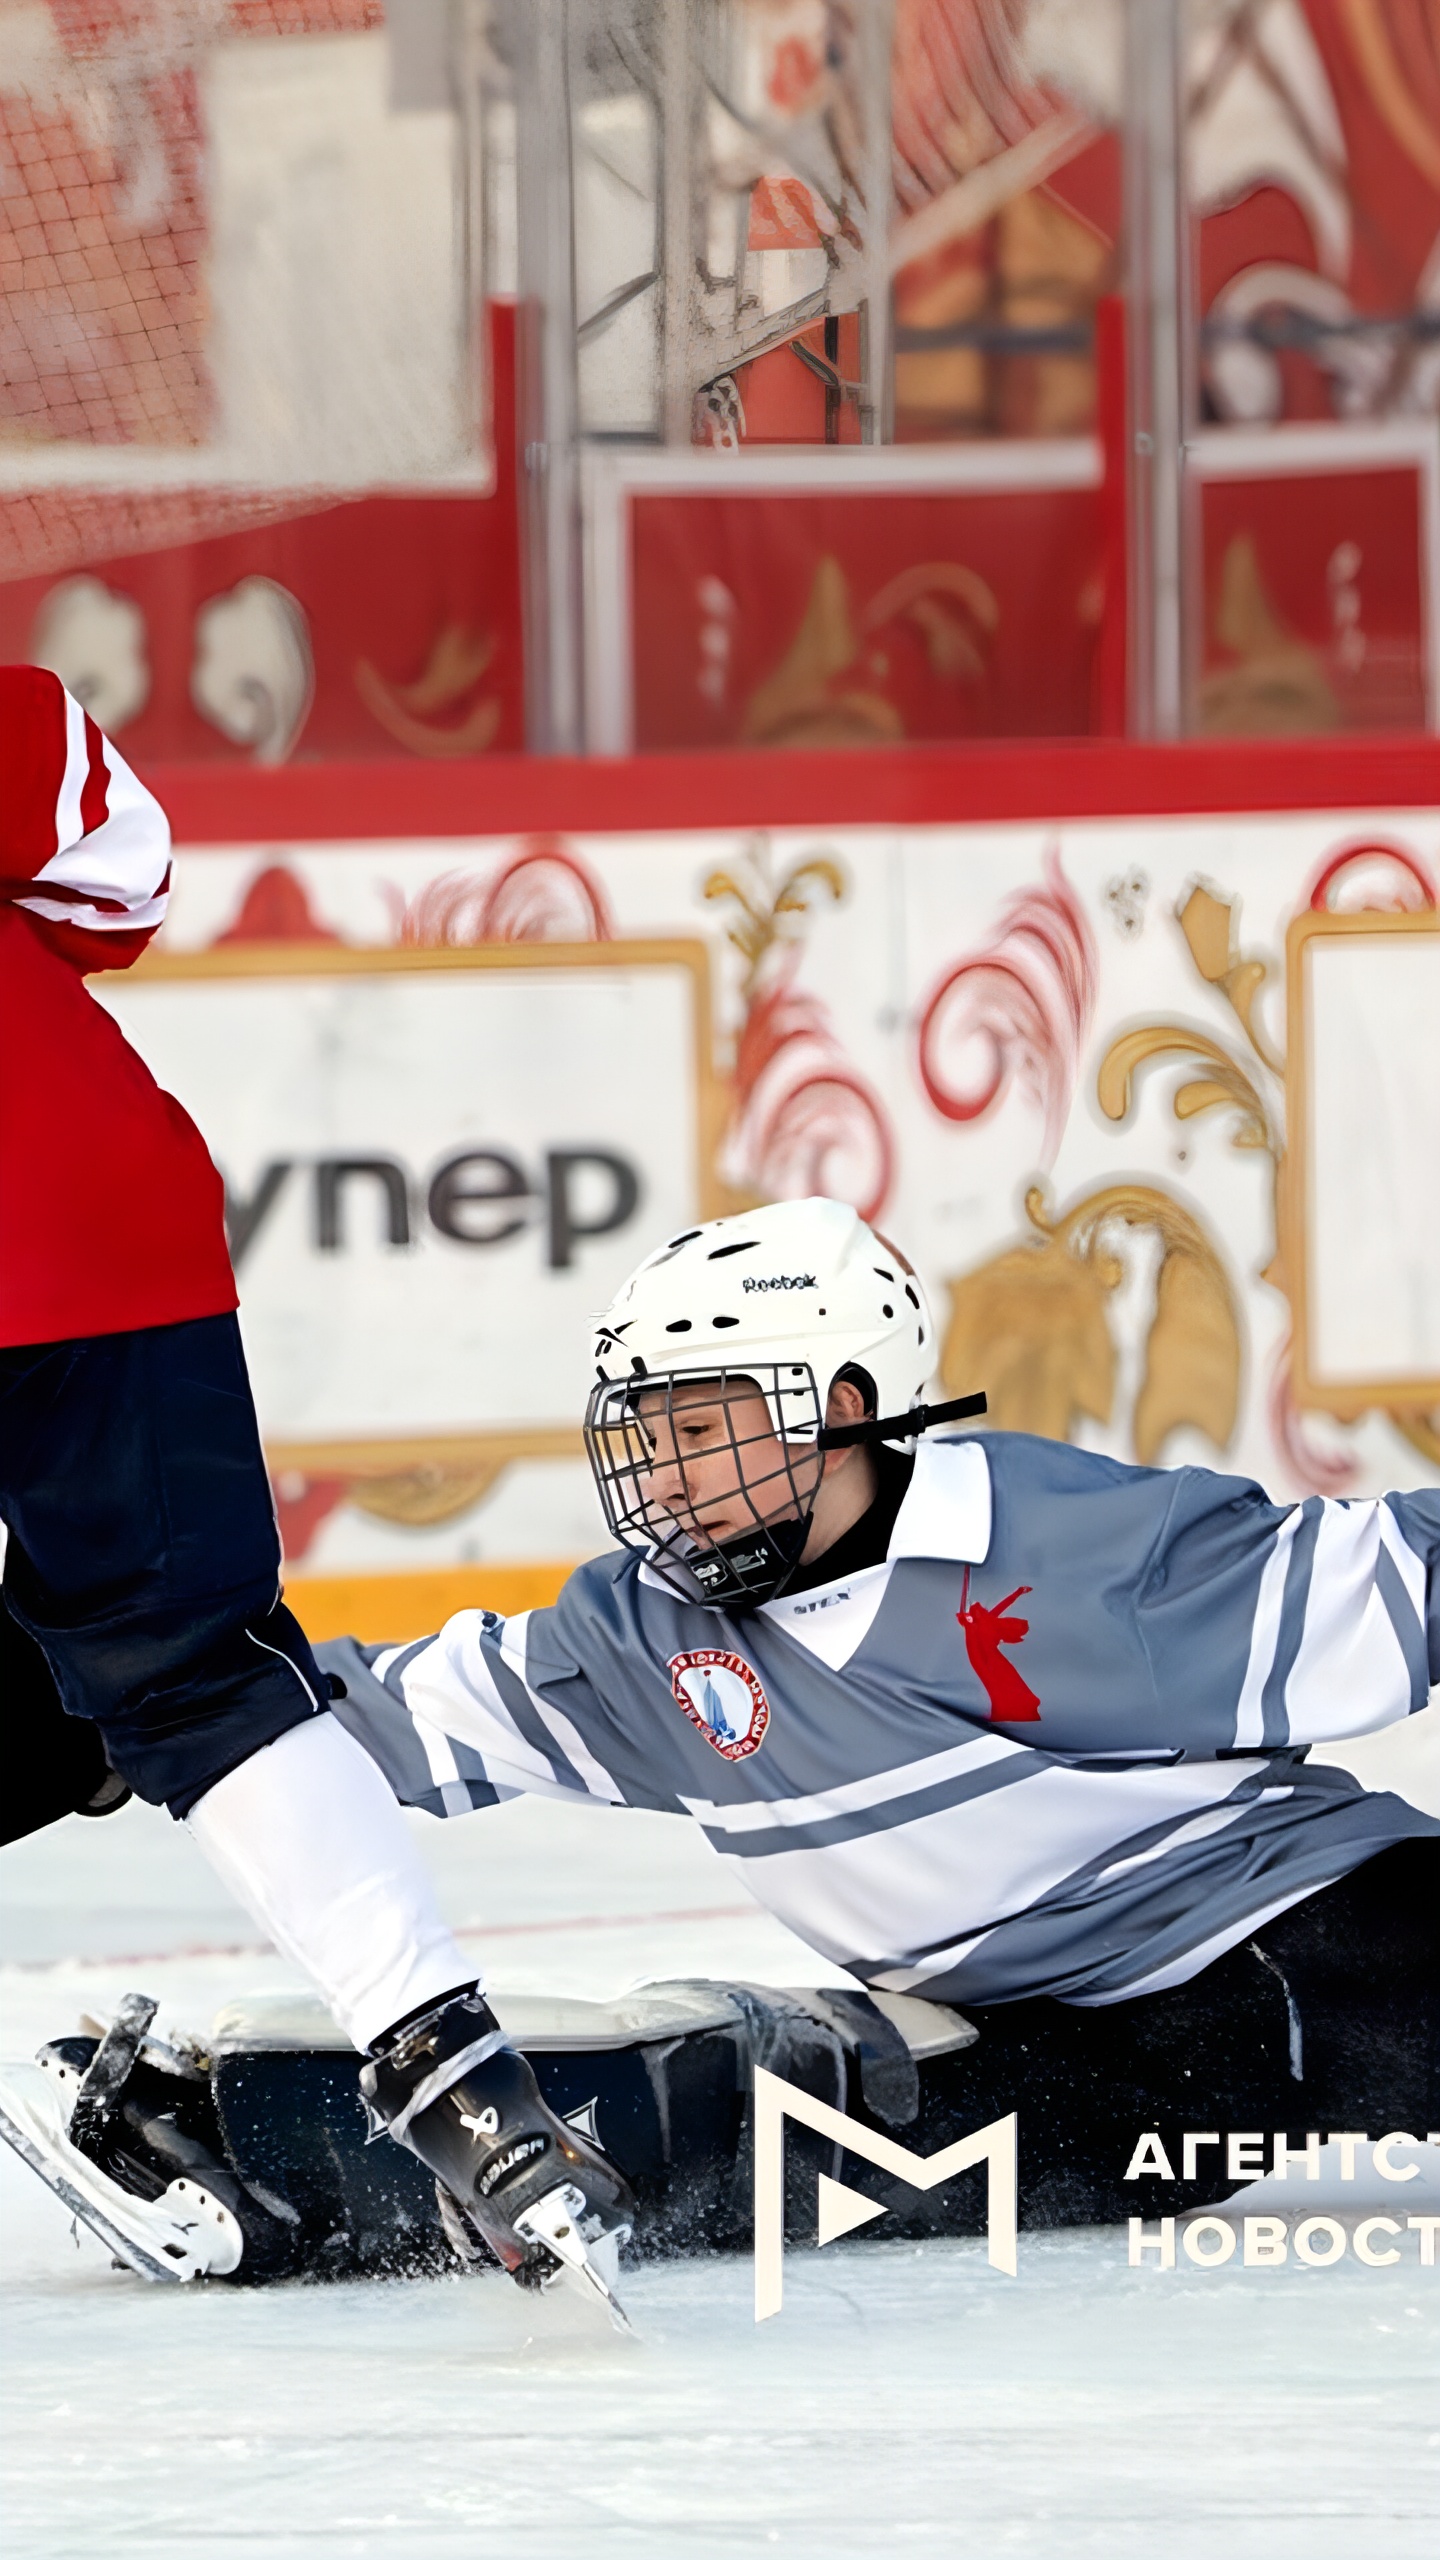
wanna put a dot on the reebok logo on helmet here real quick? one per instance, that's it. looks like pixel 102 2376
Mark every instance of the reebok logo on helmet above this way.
pixel 782 1280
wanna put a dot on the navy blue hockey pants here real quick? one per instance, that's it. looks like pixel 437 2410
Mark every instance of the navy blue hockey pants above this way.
pixel 142 1571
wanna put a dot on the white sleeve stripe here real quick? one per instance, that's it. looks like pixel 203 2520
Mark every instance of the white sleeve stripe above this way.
pixel 1265 1635
pixel 859 1793
pixel 1219 1818
pixel 123 863
pixel 1409 1566
pixel 69 826
pixel 503 1751
pixel 597 1780
pixel 1349 1675
pixel 940 1960
pixel 444 1767
pixel 450 1688
pixel 576 1754
pixel 574 1751
pixel 462 1700
pixel 486 1691
pixel 483 1679
pixel 92 919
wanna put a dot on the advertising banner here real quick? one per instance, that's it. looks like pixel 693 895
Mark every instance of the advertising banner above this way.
pixel 1115 1086
pixel 423 1166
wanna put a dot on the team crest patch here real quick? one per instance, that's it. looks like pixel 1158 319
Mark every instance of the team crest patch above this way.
pixel 723 1699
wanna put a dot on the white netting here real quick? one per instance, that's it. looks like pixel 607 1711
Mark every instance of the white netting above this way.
pixel 235 250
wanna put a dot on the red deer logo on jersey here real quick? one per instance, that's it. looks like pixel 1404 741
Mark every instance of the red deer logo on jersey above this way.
pixel 986 1629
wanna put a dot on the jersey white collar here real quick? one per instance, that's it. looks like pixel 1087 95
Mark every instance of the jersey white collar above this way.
pixel 945 1514
pixel 946 1510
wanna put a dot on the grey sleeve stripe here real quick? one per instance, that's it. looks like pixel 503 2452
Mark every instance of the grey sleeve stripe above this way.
pixel 398 1659
pixel 1298 1845
pixel 1410 1635
pixel 867 1820
pixel 463 1794
pixel 1417 1517
pixel 1140 1846
pixel 1274 1715
pixel 519 1706
pixel 379 1720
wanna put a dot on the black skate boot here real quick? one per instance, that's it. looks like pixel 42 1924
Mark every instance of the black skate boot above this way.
pixel 141 2113
pixel 447 2084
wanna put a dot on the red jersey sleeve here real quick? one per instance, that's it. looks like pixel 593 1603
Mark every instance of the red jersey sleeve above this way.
pixel 84 849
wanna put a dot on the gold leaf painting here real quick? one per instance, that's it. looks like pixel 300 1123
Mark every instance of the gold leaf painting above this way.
pixel 1276 686
pixel 1032 1325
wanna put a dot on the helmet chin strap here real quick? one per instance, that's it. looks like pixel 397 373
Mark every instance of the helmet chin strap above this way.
pixel 758 1564
pixel 898 1426
pixel 754 1566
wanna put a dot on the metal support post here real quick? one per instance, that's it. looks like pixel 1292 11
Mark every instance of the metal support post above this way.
pixel 538 44
pixel 678 106
pixel 1159 260
pixel 877 32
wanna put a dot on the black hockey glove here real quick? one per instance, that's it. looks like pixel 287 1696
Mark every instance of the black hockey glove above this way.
pixel 447 2084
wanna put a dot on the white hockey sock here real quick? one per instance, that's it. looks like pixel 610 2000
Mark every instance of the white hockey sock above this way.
pixel 308 1836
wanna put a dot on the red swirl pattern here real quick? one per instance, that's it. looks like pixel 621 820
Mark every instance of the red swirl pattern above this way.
pixel 805 1120
pixel 1410 888
pixel 543 894
pixel 1018 1010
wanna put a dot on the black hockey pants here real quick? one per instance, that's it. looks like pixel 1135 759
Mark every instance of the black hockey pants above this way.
pixel 141 1587
pixel 1327 2019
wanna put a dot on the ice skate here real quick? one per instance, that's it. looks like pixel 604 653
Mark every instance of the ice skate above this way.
pixel 545 2201
pixel 116 2129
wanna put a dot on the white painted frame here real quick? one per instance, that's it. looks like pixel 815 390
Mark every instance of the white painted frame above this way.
pixel 614 475
pixel 1289 453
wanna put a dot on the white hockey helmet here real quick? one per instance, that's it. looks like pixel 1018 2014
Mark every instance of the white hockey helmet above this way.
pixel 785 1299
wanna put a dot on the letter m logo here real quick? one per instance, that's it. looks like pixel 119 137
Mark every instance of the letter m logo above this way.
pixel 841 2209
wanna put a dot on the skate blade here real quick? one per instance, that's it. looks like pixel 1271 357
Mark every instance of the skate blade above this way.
pixel 585 2268
pixel 183 2233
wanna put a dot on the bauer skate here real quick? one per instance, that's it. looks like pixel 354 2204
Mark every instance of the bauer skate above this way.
pixel 540 2197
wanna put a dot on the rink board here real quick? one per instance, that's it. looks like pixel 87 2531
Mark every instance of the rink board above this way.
pixel 1174 1075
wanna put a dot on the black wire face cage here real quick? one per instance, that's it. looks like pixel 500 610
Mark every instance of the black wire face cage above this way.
pixel 658 1482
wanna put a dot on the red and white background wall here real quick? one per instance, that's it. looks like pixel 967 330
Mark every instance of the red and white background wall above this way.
pixel 1151 1101
pixel 257 425
pixel 336 467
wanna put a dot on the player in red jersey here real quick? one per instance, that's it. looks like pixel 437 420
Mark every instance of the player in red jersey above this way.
pixel 144 1642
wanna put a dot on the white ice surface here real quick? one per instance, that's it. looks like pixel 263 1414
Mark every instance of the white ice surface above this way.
pixel 907 2399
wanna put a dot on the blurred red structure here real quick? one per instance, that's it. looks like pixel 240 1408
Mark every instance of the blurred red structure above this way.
pixel 411 606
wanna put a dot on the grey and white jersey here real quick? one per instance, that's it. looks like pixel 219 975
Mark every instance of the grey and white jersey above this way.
pixel 1054 1743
